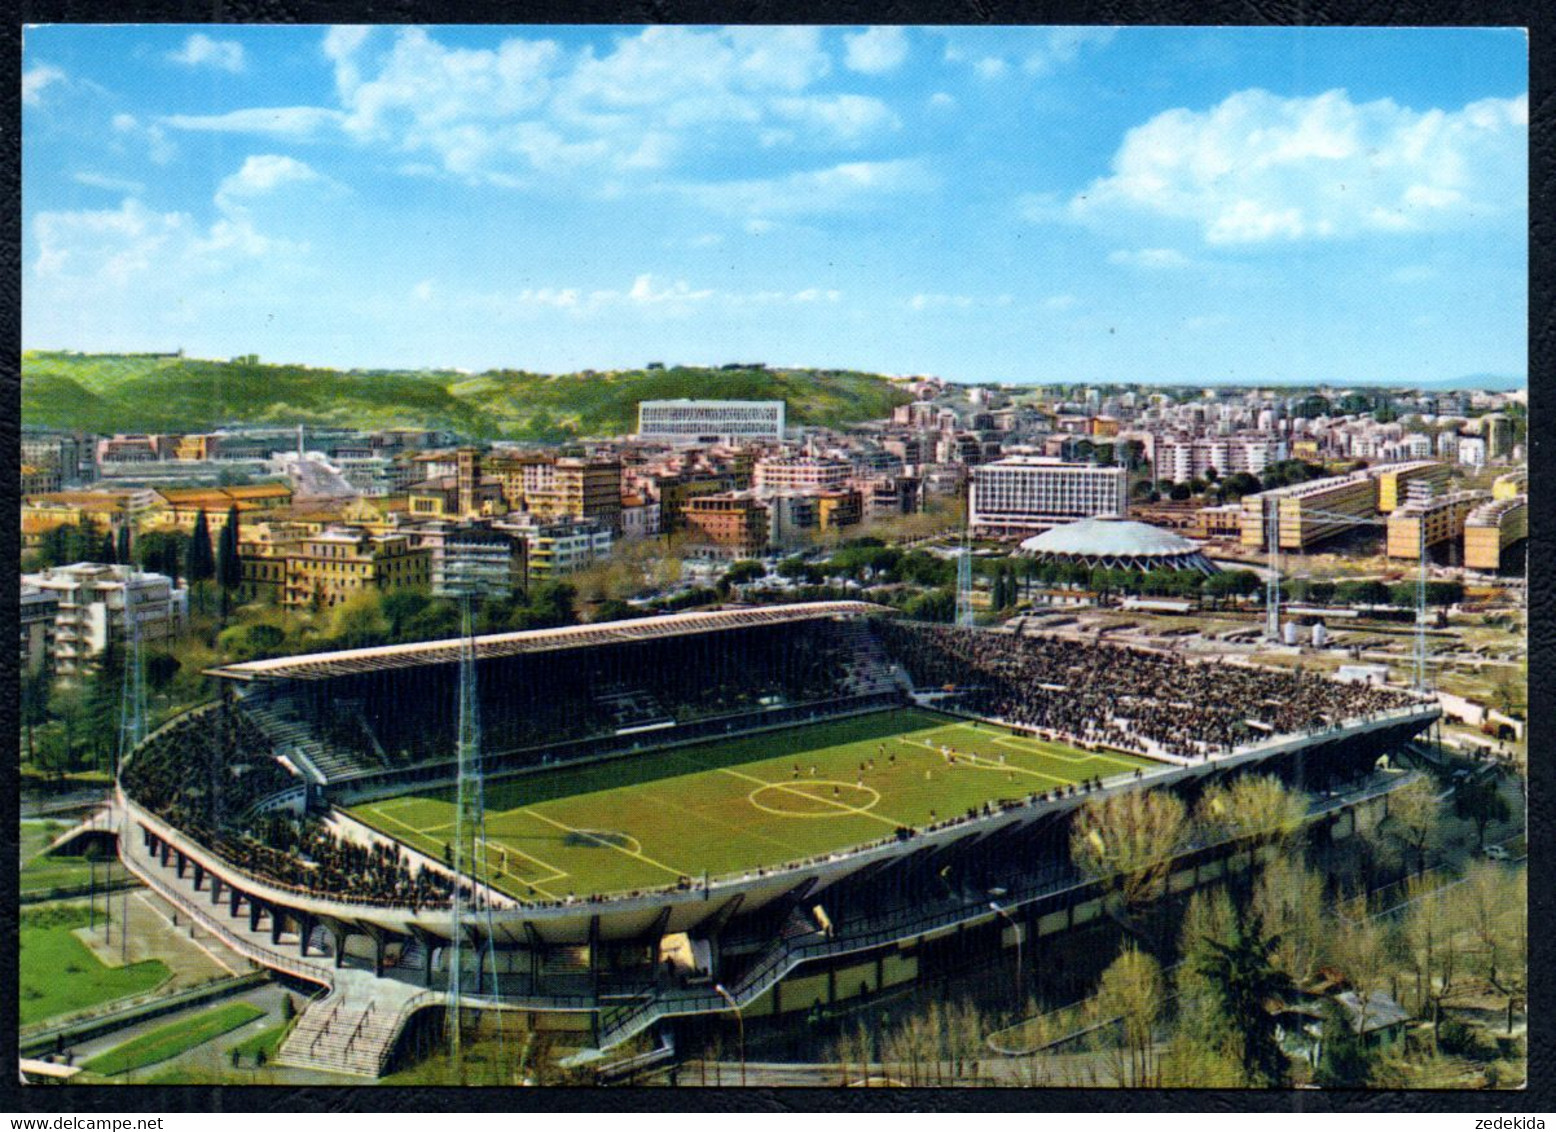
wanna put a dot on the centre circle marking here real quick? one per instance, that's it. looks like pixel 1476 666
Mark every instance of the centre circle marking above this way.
pixel 840 807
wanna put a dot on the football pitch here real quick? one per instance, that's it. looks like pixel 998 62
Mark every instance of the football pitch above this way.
pixel 736 805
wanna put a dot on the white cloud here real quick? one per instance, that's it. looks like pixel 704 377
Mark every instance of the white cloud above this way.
pixel 1061 46
pixel 875 50
pixel 1152 259
pixel 132 246
pixel 996 52
pixel 1259 167
pixel 1414 273
pixel 158 147
pixel 263 174
pixel 1206 321
pixel 927 301
pixel 35 81
pixel 646 290
pixel 296 123
pixel 844 119
pixel 200 50
pixel 112 184
pixel 1041 208
pixel 648 297
pixel 940 100
pixel 604 121
pixel 1059 302
pixel 840 187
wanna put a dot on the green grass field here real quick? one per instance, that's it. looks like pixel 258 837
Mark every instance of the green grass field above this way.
pixel 266 1041
pixel 740 804
pixel 173 1039
pixel 58 975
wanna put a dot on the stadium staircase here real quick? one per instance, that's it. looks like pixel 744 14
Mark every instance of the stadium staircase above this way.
pixel 290 735
pixel 870 670
pixel 347 1033
pixel 627 706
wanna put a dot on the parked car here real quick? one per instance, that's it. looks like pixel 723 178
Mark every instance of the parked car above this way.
pixel 1496 852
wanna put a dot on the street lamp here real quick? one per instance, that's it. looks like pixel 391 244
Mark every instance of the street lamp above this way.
pixel 1017 927
pixel 740 1022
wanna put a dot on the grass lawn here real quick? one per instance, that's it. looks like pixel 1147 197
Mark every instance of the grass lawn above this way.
pixel 269 1040
pixel 36 835
pixel 59 975
pixel 740 804
pixel 44 873
pixel 173 1039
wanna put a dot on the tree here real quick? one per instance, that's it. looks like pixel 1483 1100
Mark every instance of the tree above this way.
pixel 400 607
pixel 1239 484
pixel 1131 990
pixel 123 549
pixel 1180 492
pixel 1289 899
pixel 104 703
pixel 1480 800
pixel 935 605
pixel 1443 593
pixel 34 702
pixel 1254 807
pixel 359 621
pixel 229 566
pixel 70 542
pixel 162 552
pixel 1345 1060
pixel 1241 980
pixel 614 609
pixel 1129 840
pixel 108 553
pixel 1369 592
pixel 199 560
pixel 551 606
pixel 745 571
pixel 1413 814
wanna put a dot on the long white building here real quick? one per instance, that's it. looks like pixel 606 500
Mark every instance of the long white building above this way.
pixel 709 422
pixel 1028 494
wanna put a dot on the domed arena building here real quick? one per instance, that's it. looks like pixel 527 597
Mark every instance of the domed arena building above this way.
pixel 1118 544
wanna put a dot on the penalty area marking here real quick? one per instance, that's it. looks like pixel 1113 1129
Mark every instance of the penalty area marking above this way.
pixel 606 844
pixel 841 810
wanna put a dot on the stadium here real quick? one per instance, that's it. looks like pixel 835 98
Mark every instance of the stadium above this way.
pixel 763 810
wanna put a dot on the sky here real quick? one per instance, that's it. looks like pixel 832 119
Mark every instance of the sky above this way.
pixel 1012 204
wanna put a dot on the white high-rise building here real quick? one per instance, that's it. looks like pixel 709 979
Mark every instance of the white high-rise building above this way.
pixel 92 602
pixel 1029 494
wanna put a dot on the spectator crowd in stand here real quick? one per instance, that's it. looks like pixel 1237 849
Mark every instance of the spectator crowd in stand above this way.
pixel 204 774
pixel 1115 696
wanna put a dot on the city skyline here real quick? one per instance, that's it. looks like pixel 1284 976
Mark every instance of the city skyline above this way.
pixel 1035 205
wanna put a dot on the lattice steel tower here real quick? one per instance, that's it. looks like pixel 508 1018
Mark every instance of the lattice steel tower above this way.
pixel 470 914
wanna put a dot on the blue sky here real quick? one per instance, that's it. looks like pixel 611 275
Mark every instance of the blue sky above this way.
pixel 1018 204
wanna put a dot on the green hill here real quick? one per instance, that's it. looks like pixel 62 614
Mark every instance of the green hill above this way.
pixel 147 393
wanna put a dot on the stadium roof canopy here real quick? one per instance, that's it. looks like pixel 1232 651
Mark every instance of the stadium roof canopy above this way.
pixel 351 662
pixel 1118 543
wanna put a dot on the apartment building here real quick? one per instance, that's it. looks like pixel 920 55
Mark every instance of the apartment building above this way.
pixel 1493 527
pixel 1441 518
pixel 326 568
pixel 1022 495
pixel 97 603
